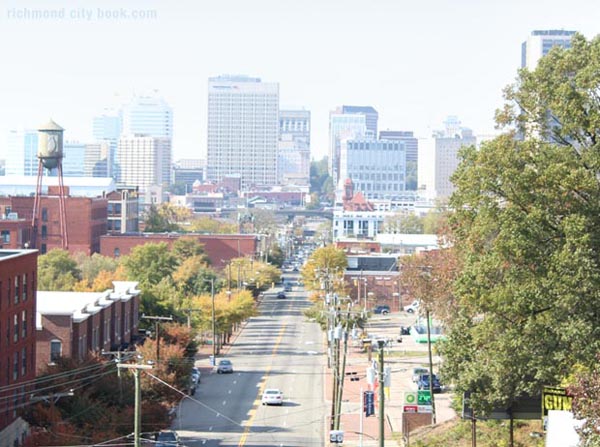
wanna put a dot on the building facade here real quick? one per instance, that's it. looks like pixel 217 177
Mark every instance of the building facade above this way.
pixel 377 168
pixel 411 145
pixel 73 163
pixel 21 155
pixel 342 127
pixel 147 115
pixel 123 211
pixel 145 161
pixel 540 42
pixel 371 117
pixel 75 324
pixel 18 285
pixel 243 130
pixel 99 159
pixel 106 129
pixel 293 161
pixel 187 171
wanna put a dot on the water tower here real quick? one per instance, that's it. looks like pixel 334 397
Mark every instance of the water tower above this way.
pixel 50 155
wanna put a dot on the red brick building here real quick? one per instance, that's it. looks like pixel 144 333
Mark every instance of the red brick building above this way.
pixel 73 324
pixel 220 248
pixel 14 232
pixel 86 220
pixel 18 282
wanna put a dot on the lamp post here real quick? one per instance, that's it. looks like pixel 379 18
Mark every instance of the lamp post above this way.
pixel 214 326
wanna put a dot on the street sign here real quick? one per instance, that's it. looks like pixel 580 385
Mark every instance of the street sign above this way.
pixel 410 408
pixel 369 403
pixel 424 409
pixel 336 436
pixel 410 398
pixel 424 397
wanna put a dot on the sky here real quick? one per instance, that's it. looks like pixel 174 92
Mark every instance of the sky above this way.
pixel 415 61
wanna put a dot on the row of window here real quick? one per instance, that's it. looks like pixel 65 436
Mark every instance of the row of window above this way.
pixel 20 365
pixel 19 328
pixel 17 290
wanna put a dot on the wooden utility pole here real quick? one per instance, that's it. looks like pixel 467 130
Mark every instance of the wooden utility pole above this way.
pixel 157 320
pixel 137 417
pixel 380 345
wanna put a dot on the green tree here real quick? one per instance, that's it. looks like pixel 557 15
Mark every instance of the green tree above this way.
pixel 325 266
pixel 187 247
pixel 211 225
pixel 166 217
pixel 150 263
pixel 57 271
pixel 91 266
pixel 276 255
pixel 321 182
pixel 404 222
pixel 527 225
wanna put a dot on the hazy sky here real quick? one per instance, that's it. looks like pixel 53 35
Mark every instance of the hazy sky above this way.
pixel 415 61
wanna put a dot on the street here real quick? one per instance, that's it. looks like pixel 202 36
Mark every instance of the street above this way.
pixel 277 349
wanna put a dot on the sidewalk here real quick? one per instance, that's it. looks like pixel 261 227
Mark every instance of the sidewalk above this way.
pixel 387 326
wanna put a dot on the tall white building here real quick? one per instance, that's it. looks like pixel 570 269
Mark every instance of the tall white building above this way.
pixel 145 161
pixel 293 161
pixel 343 127
pixel 21 154
pixel 438 157
pixel 243 130
pixel 147 115
pixel 540 42
pixel 99 159
pixel 106 129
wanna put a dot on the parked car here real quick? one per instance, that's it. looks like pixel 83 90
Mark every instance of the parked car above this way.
pixel 287 287
pixel 167 438
pixel 225 366
pixel 412 307
pixel 418 372
pixel 281 296
pixel 423 383
pixel 272 396
pixel 382 310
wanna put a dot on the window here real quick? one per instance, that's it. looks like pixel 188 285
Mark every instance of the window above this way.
pixel 55 350
pixel 16 289
pixel 24 324
pixel 16 327
pixel 16 366
pixel 44 232
pixel 24 362
pixel 44 249
pixel 44 214
pixel 25 287
pixel 5 236
pixel 117 252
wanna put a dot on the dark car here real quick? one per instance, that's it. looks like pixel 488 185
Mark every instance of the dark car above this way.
pixel 423 383
pixel 287 287
pixel 382 310
pixel 281 296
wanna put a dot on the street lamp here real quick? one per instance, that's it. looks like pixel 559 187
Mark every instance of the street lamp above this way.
pixel 214 330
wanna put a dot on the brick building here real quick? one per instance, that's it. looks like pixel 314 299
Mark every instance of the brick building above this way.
pixel 14 232
pixel 86 220
pixel 72 324
pixel 220 248
pixel 18 280
pixel 123 210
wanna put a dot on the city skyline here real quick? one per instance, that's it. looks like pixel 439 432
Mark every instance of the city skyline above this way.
pixel 415 65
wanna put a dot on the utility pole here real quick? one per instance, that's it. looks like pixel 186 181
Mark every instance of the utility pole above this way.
pixel 189 315
pixel 343 373
pixel 430 367
pixel 380 345
pixel 157 320
pixel 118 354
pixel 214 325
pixel 137 417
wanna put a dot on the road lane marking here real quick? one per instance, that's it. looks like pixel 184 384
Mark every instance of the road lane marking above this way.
pixel 261 389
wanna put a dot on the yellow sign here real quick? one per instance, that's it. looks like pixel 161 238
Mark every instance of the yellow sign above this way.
pixel 555 398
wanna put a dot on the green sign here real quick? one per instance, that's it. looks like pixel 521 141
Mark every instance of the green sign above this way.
pixel 423 397
pixel 410 398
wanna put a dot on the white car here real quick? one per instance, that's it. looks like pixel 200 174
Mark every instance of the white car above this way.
pixel 412 307
pixel 272 396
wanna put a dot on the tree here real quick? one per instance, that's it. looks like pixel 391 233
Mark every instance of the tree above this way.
pixel 92 266
pixel 209 225
pixel 527 227
pixel 57 271
pixel 585 390
pixel 187 247
pixel 321 182
pixel 325 266
pixel 166 217
pixel 276 255
pixel 150 263
pixel 404 222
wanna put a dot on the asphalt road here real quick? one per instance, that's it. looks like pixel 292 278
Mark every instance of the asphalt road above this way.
pixel 277 349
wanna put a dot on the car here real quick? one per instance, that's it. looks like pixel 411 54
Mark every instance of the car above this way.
pixel 412 307
pixel 281 296
pixel 225 366
pixel 287 287
pixel 272 396
pixel 382 310
pixel 423 383
pixel 167 438
pixel 418 372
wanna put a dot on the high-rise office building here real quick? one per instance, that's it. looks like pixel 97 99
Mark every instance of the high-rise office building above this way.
pixel 106 129
pixel 438 157
pixel 343 127
pixel 540 42
pixel 73 159
pixel 371 117
pixel 243 130
pixel 21 153
pixel 293 161
pixel 377 168
pixel 98 160
pixel 147 115
pixel 411 144
pixel 145 161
